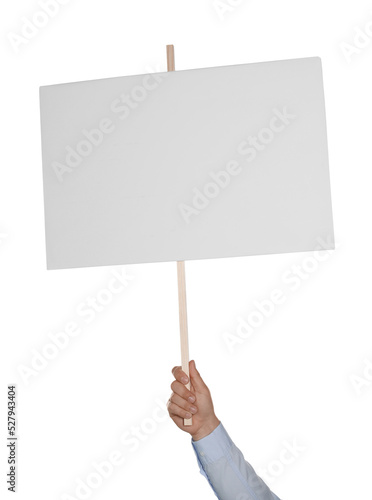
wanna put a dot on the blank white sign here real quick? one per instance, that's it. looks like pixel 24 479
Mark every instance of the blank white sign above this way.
pixel 193 164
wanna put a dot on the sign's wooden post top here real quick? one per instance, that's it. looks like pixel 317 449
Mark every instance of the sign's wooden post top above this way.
pixel 170 57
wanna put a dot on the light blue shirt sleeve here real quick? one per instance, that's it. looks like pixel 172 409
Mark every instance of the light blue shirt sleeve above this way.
pixel 224 466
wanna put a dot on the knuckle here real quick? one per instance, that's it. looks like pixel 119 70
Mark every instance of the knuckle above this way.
pixel 185 393
pixel 174 370
pixel 178 389
pixel 183 404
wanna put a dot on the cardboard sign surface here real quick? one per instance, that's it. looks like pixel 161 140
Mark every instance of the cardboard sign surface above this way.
pixel 193 164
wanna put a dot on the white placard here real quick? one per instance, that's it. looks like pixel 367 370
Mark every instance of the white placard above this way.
pixel 193 164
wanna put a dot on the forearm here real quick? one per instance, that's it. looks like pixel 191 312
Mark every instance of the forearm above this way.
pixel 229 474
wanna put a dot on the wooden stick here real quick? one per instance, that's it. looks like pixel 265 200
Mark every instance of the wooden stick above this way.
pixel 170 57
pixel 183 325
pixel 181 282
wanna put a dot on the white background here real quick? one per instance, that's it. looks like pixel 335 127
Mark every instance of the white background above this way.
pixel 302 377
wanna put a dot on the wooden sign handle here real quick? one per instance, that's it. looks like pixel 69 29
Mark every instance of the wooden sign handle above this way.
pixel 183 325
pixel 181 282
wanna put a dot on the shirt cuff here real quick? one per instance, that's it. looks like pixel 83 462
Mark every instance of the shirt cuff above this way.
pixel 212 447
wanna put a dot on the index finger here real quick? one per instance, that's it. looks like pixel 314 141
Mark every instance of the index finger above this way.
pixel 180 375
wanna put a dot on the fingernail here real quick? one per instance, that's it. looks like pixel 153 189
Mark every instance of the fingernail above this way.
pixel 188 415
pixel 191 399
pixel 193 409
pixel 184 380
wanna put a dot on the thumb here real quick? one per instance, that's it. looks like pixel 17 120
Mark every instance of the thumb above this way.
pixel 196 379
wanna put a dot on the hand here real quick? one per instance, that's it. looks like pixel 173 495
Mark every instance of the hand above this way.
pixel 199 406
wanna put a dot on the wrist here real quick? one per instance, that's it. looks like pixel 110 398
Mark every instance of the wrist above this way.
pixel 206 428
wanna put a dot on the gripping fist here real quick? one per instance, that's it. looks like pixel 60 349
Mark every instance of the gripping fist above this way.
pixel 196 403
